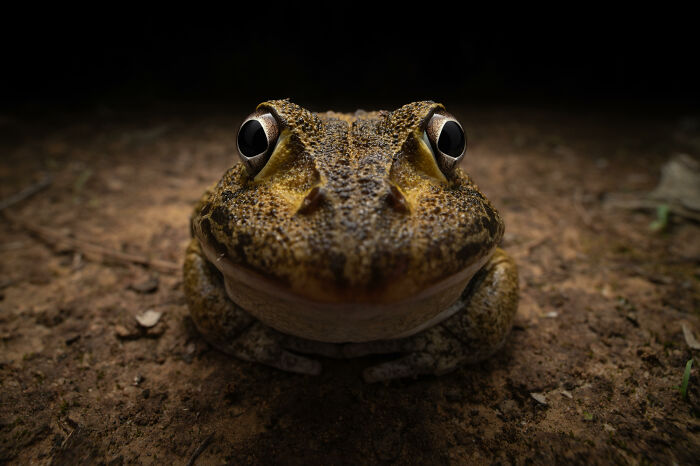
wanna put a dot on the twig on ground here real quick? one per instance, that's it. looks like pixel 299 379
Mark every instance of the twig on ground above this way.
pixel 54 238
pixel 27 192
pixel 584 214
pixel 527 248
pixel 200 449
pixel 682 260
pixel 5 283
pixel 638 202
pixel 67 439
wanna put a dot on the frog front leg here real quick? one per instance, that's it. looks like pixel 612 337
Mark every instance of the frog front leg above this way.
pixel 227 326
pixel 470 335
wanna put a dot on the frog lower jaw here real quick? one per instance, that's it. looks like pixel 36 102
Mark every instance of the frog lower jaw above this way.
pixel 341 321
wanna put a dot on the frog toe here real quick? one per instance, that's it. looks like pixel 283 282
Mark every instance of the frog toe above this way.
pixel 411 365
pixel 356 350
pixel 433 352
pixel 258 344
pixel 302 345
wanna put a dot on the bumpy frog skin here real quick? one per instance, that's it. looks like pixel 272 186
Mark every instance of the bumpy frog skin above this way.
pixel 351 236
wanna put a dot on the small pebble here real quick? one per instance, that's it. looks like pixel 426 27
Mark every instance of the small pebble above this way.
pixel 149 318
pixel 188 355
pixel 122 332
pixel 539 397
pixel 72 339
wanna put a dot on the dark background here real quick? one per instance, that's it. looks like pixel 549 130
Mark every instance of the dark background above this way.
pixel 123 59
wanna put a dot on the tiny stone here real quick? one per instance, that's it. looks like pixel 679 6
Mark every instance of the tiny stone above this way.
pixel 567 394
pixel 539 397
pixel 607 291
pixel 138 380
pixel 72 339
pixel 122 332
pixel 188 356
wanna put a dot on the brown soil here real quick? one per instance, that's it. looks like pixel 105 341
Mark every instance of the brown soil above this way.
pixel 597 336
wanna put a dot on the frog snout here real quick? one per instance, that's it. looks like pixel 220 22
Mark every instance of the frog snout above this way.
pixel 392 197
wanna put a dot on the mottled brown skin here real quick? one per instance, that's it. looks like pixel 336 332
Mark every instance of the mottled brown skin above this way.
pixel 351 209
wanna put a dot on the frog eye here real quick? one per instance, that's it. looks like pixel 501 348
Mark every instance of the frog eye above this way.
pixel 447 139
pixel 257 138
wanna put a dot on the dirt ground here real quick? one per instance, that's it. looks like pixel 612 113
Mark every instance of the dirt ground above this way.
pixel 590 373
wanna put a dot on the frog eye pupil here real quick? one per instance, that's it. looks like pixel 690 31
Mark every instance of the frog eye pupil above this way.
pixel 451 141
pixel 257 137
pixel 447 140
pixel 252 139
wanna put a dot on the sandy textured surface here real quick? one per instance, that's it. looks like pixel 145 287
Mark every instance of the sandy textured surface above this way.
pixel 589 373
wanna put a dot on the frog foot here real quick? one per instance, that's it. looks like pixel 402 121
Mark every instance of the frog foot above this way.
pixel 227 326
pixel 261 344
pixel 479 329
pixel 434 351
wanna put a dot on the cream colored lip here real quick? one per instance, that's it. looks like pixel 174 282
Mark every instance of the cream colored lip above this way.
pixel 341 320
pixel 255 280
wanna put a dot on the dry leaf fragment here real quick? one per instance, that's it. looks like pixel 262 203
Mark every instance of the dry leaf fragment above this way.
pixel 689 337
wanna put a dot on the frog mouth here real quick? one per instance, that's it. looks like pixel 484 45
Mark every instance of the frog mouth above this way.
pixel 341 320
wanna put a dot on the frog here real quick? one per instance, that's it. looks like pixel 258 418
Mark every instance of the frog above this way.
pixel 343 235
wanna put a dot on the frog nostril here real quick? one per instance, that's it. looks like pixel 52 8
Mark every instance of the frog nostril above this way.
pixel 312 201
pixel 397 200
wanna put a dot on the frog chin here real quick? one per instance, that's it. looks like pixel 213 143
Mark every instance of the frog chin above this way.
pixel 338 319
